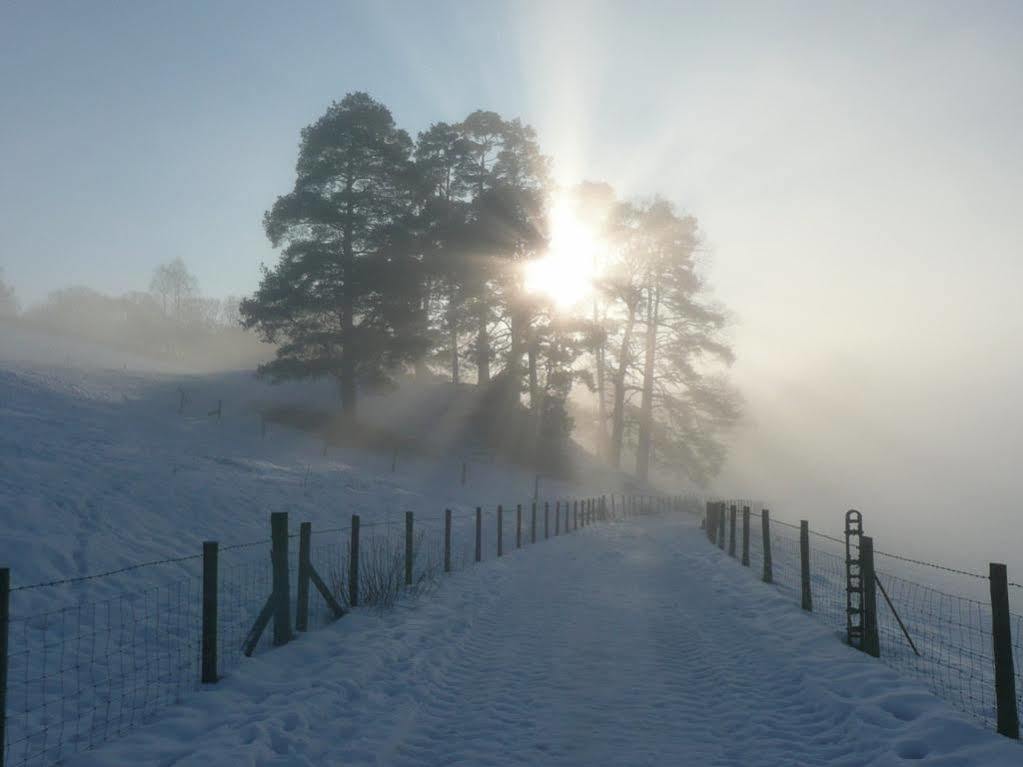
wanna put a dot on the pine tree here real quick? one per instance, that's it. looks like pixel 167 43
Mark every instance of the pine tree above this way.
pixel 330 302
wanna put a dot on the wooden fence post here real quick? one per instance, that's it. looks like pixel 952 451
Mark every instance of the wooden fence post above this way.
pixel 353 563
pixel 209 613
pixel 722 526
pixel 518 526
pixel 1001 634
pixel 281 580
pixel 500 530
pixel 613 513
pixel 546 519
pixel 575 514
pixel 871 641
pixel 447 540
pixel 409 552
pixel 532 525
pixel 557 517
pixel 804 564
pixel 731 534
pixel 5 617
pixel 302 592
pixel 479 533
pixel 765 536
pixel 745 536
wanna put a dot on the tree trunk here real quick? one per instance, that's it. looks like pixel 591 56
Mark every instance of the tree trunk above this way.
pixel 534 386
pixel 347 377
pixel 482 347
pixel 647 407
pixel 598 355
pixel 453 335
pixel 618 410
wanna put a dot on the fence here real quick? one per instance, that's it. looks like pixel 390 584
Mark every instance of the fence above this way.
pixel 90 670
pixel 961 648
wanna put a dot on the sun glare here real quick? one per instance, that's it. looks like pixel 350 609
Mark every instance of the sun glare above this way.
pixel 566 272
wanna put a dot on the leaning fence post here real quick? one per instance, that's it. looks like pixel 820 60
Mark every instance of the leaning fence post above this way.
pixel 302 592
pixel 871 641
pixel 479 533
pixel 447 540
pixel 1001 635
pixel 408 548
pixel 804 564
pixel 5 615
pixel 731 534
pixel 721 526
pixel 518 526
pixel 765 536
pixel 209 615
pixel 353 563
pixel 745 536
pixel 281 583
pixel 500 530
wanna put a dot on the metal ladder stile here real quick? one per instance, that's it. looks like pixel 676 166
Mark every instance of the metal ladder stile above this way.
pixel 853 578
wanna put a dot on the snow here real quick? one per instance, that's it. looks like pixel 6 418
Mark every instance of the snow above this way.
pixel 628 643
pixel 99 471
pixel 621 644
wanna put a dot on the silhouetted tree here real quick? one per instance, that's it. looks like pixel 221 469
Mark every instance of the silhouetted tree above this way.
pixel 327 300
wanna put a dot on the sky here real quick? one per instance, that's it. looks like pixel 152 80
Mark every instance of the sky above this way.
pixel 857 169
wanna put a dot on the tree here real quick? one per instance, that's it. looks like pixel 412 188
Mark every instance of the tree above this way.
pixel 174 285
pixel 9 306
pixel 440 151
pixel 326 301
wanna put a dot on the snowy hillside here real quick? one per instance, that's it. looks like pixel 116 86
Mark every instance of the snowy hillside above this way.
pixel 100 471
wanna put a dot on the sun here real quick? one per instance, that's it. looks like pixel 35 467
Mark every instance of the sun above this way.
pixel 566 272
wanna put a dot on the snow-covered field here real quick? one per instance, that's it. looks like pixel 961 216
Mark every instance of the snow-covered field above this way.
pixel 594 649
pixel 623 644
pixel 99 472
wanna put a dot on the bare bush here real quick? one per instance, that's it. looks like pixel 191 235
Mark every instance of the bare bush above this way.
pixel 382 571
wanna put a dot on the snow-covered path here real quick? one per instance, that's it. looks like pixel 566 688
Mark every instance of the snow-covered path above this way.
pixel 627 644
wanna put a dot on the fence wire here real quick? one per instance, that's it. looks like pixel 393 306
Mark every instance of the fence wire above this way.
pixel 89 672
pixel 952 633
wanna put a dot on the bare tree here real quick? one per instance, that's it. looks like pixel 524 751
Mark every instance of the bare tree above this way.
pixel 174 285
pixel 8 298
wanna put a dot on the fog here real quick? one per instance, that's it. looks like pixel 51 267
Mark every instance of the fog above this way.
pixel 856 170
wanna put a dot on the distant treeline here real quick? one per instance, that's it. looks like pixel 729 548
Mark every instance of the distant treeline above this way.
pixel 404 255
pixel 172 322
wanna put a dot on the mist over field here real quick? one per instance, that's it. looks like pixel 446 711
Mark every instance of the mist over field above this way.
pixel 469 277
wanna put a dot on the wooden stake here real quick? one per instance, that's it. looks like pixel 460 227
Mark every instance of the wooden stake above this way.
pixel 281 580
pixel 353 563
pixel 804 564
pixel 209 613
pixel 1001 634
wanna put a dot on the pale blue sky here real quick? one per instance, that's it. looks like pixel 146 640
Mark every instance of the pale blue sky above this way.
pixel 858 169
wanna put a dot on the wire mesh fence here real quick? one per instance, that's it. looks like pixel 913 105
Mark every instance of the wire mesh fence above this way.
pixel 92 669
pixel 949 646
